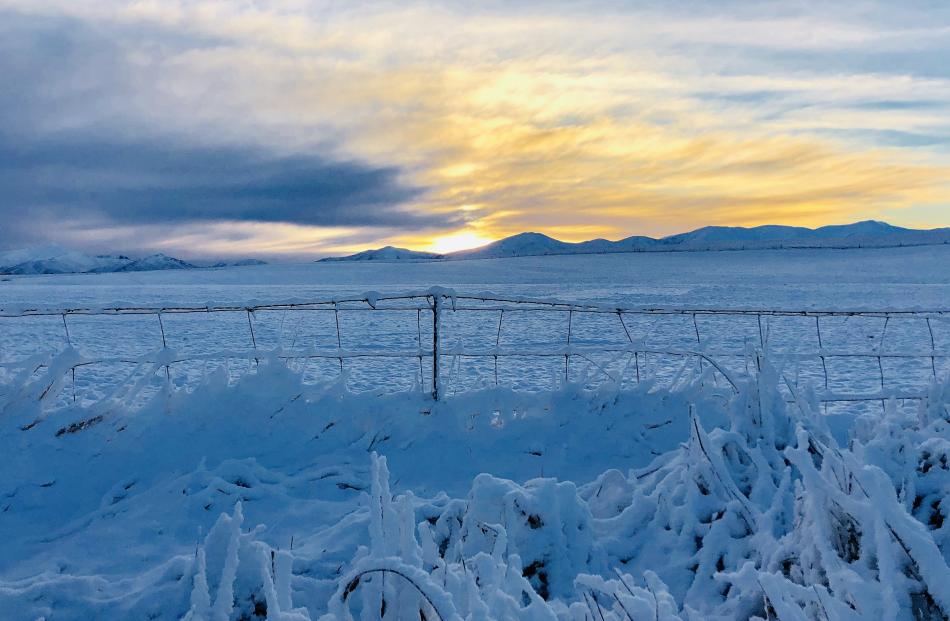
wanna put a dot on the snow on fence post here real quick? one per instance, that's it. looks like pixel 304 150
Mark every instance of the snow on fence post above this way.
pixel 436 298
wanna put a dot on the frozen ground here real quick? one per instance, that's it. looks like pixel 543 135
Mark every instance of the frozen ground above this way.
pixel 620 501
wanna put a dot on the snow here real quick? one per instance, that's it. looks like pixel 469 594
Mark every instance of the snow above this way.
pixel 722 515
pixel 272 494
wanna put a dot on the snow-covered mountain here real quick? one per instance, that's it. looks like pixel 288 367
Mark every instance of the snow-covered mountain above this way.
pixel 773 232
pixel 866 233
pixel 388 253
pixel 517 245
pixel 58 260
pixel 157 261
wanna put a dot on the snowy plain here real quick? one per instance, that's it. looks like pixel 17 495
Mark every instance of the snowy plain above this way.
pixel 845 279
pixel 614 501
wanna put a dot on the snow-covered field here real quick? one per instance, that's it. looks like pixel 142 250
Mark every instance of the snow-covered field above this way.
pixel 844 279
pixel 606 499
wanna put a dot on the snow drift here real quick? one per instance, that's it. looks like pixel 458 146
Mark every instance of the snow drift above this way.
pixel 643 504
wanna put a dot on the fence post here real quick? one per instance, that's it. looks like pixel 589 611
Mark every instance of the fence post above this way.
pixel 161 327
pixel 501 316
pixel 69 343
pixel 567 356
pixel 933 362
pixel 699 343
pixel 250 327
pixel 436 299
pixel 339 340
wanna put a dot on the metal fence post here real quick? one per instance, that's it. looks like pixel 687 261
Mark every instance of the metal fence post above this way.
pixel 161 327
pixel 436 299
pixel 69 343
pixel 567 356
pixel 933 349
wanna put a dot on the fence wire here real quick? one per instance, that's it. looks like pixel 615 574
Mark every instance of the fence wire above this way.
pixel 444 343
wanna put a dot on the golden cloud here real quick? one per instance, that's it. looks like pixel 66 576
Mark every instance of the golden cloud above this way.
pixel 575 125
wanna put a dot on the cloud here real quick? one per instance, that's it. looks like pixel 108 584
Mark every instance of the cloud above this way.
pixel 147 182
pixel 323 125
pixel 72 154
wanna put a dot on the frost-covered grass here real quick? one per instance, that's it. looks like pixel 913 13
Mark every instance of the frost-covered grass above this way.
pixel 613 504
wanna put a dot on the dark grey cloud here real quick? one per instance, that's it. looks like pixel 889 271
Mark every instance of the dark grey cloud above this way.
pixel 67 152
pixel 146 181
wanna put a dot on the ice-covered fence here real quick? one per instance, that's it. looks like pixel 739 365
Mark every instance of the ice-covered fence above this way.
pixel 443 342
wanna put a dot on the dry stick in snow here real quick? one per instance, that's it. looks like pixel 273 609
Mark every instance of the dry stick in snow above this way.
pixel 355 582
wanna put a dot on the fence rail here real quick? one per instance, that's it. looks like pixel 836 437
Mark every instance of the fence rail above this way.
pixel 447 328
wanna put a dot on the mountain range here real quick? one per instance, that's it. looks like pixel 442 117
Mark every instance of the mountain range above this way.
pixel 57 260
pixel 868 233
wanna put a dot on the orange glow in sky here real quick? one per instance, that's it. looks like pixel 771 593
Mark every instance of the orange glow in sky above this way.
pixel 443 127
pixel 453 242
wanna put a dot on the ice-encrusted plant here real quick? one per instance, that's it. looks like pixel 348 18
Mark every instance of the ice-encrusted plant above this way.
pixel 769 519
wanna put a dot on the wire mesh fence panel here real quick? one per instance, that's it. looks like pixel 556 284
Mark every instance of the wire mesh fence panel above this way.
pixel 443 343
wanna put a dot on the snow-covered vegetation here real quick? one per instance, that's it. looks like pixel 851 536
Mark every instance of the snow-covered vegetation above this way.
pixel 266 499
pixel 279 493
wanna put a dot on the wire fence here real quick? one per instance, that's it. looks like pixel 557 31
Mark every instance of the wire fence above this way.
pixel 443 343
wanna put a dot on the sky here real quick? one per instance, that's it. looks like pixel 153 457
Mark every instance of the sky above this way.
pixel 291 128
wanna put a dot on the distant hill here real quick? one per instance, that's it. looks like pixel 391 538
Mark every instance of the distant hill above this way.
pixel 58 260
pixel 155 262
pixel 241 263
pixel 868 233
pixel 387 253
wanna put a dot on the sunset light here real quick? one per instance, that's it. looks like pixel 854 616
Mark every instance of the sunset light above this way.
pixel 457 241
